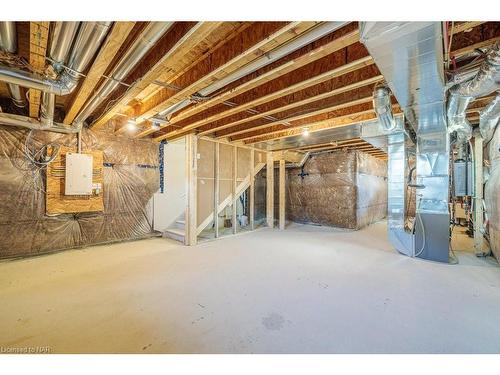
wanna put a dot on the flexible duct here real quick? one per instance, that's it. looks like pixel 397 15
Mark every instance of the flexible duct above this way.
pixel 152 33
pixel 483 83
pixel 488 119
pixel 8 42
pixel 383 108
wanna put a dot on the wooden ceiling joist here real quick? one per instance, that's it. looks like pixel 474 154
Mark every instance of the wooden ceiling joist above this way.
pixel 108 51
pixel 344 69
pixel 485 43
pixel 309 100
pixel 340 121
pixel 343 104
pixel 461 27
pixel 279 71
pixel 236 56
pixel 170 62
pixel 39 37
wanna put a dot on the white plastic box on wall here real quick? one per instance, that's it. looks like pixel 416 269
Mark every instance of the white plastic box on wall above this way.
pixel 78 179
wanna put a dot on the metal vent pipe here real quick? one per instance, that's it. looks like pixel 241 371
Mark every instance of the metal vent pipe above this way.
pixel 81 55
pixel 486 81
pixel 152 33
pixel 382 106
pixel 63 35
pixel 8 42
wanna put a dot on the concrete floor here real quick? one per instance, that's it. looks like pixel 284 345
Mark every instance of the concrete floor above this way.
pixel 304 290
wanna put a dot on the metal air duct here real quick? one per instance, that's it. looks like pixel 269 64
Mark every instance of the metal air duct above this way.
pixel 151 34
pixel 63 35
pixel 410 56
pixel 488 119
pixel 8 42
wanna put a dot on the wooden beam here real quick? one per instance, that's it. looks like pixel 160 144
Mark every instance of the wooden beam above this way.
pixel 344 69
pixel 270 190
pixel 461 27
pixel 287 67
pixel 192 182
pixel 235 185
pixel 164 99
pixel 312 99
pixel 282 201
pixel 171 62
pixel 285 120
pixel 107 52
pixel 252 189
pixel 216 189
pixel 485 43
pixel 39 37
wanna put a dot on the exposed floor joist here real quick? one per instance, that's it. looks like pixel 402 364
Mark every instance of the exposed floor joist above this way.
pixel 108 51
pixel 285 68
pixel 39 37
pixel 168 64
pixel 252 47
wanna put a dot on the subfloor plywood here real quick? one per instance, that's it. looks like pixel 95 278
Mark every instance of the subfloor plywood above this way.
pixel 303 290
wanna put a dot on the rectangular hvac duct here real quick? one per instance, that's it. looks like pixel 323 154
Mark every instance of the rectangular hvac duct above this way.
pixel 410 56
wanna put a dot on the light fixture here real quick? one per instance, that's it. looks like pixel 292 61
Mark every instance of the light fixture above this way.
pixel 131 125
pixel 155 125
pixel 305 132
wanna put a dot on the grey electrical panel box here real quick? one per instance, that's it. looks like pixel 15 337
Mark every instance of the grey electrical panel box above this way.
pixel 462 178
pixel 78 178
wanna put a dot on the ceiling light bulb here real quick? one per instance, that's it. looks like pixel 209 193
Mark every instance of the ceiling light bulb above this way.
pixel 131 125
pixel 305 132
pixel 155 126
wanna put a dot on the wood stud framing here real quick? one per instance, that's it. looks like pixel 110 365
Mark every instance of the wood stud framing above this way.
pixel 39 37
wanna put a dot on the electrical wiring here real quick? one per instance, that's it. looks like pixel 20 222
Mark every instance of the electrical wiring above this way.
pixel 37 159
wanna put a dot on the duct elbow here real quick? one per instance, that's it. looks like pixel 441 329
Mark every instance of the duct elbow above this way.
pixel 489 117
pixel 383 108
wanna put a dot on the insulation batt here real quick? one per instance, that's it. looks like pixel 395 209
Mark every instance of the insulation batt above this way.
pixel 128 188
pixel 491 196
pixel 342 189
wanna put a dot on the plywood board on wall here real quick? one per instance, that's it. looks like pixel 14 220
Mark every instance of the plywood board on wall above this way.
pixel 57 202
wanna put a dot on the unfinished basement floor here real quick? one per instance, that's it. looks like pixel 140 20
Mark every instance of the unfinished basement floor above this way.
pixel 304 290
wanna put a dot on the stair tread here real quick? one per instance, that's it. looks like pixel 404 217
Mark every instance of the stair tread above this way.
pixel 176 231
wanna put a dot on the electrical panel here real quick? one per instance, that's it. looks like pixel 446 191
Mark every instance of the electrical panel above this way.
pixel 78 178
pixel 462 178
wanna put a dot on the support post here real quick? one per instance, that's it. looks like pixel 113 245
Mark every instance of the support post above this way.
pixel 216 190
pixel 235 184
pixel 252 189
pixel 191 182
pixel 478 193
pixel 282 195
pixel 270 190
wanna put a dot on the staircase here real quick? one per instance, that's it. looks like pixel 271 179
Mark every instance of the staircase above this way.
pixel 243 184
pixel 177 231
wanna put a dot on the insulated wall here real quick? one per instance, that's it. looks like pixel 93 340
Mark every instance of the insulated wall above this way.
pixel 491 195
pixel 131 177
pixel 341 189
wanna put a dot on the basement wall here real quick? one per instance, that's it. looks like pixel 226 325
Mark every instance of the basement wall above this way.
pixel 131 177
pixel 491 195
pixel 342 189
